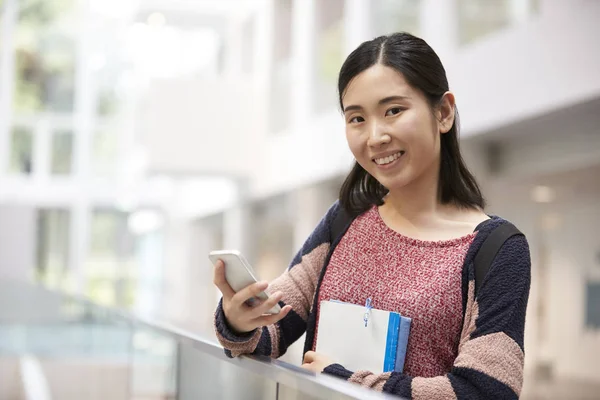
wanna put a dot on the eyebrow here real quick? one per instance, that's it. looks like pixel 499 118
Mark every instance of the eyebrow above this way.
pixel 383 101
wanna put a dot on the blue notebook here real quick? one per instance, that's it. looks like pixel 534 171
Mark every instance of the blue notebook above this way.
pixel 362 338
pixel 397 342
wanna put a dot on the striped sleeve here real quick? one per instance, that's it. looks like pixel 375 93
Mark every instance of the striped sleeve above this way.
pixel 298 285
pixel 490 357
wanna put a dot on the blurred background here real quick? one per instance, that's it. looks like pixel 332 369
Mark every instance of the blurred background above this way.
pixel 138 135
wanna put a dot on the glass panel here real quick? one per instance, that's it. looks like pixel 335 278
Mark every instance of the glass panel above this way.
pixel 62 153
pixel 110 266
pixel 21 150
pixel 82 352
pixel 203 376
pixel 53 227
pixel 391 16
pixel 480 18
pixel 154 365
pixel 45 56
pixel 330 49
pixel 104 152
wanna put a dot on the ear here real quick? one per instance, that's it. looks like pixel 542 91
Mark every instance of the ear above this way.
pixel 446 112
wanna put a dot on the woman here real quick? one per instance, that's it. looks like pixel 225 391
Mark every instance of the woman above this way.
pixel 418 222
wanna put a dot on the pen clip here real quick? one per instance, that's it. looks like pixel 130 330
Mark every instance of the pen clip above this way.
pixel 368 308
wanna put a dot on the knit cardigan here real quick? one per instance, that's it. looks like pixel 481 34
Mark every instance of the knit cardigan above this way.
pixel 490 357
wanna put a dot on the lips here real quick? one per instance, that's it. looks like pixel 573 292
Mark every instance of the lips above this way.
pixel 388 159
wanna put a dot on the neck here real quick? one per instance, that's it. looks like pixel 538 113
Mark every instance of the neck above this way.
pixel 417 200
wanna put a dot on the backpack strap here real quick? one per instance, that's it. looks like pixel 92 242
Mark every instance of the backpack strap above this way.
pixel 488 250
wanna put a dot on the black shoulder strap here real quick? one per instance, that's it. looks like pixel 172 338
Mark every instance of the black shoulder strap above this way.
pixel 339 224
pixel 488 250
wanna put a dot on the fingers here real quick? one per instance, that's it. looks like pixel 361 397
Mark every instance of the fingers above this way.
pixel 249 292
pixel 266 320
pixel 265 306
pixel 220 281
pixel 309 357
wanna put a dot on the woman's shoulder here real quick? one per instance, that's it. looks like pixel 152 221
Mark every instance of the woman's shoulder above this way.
pixel 510 238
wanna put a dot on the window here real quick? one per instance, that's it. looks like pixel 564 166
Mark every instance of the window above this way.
pixel 104 152
pixel 391 16
pixel 53 227
pixel 44 56
pixel 21 151
pixel 62 153
pixel 329 53
pixel 477 19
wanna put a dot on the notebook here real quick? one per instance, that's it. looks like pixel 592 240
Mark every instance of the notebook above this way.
pixel 362 338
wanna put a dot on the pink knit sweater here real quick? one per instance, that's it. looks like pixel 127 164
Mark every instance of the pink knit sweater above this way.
pixel 418 279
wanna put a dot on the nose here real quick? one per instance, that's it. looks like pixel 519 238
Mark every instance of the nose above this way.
pixel 378 135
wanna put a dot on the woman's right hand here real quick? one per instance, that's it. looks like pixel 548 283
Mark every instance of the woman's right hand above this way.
pixel 239 315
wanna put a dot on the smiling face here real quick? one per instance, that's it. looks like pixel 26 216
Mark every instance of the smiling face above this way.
pixel 391 129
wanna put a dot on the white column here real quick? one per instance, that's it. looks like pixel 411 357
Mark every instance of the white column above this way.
pixel 235 222
pixel 520 10
pixel 84 110
pixel 18 242
pixel 233 46
pixel 178 245
pixel 302 60
pixel 7 78
pixel 262 68
pixel 357 24
pixel 439 26
pixel 263 45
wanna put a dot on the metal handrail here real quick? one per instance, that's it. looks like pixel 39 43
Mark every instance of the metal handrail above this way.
pixel 318 385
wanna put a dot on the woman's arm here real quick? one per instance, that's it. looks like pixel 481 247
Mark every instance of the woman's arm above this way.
pixel 298 284
pixel 490 357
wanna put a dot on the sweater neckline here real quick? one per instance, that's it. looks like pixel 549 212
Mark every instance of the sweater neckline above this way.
pixel 428 243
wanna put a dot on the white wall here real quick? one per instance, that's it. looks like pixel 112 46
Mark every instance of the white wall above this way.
pixel 201 126
pixel 567 250
pixel 18 240
pixel 572 255
pixel 313 152
pixel 549 62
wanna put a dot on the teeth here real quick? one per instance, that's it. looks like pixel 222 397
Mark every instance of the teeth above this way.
pixel 389 159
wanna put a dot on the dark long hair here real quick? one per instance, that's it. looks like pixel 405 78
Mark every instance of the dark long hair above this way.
pixel 423 70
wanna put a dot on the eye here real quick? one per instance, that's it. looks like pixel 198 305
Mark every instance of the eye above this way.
pixel 393 111
pixel 356 120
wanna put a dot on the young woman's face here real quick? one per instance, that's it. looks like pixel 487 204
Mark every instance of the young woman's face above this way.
pixel 390 127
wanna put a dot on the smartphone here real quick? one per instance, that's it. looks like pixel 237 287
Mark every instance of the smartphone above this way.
pixel 239 274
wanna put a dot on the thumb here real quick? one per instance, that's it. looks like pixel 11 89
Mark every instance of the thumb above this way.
pixel 309 356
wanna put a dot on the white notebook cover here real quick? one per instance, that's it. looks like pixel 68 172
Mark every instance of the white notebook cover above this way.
pixel 343 337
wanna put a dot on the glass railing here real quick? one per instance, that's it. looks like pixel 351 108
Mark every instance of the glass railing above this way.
pixel 54 346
